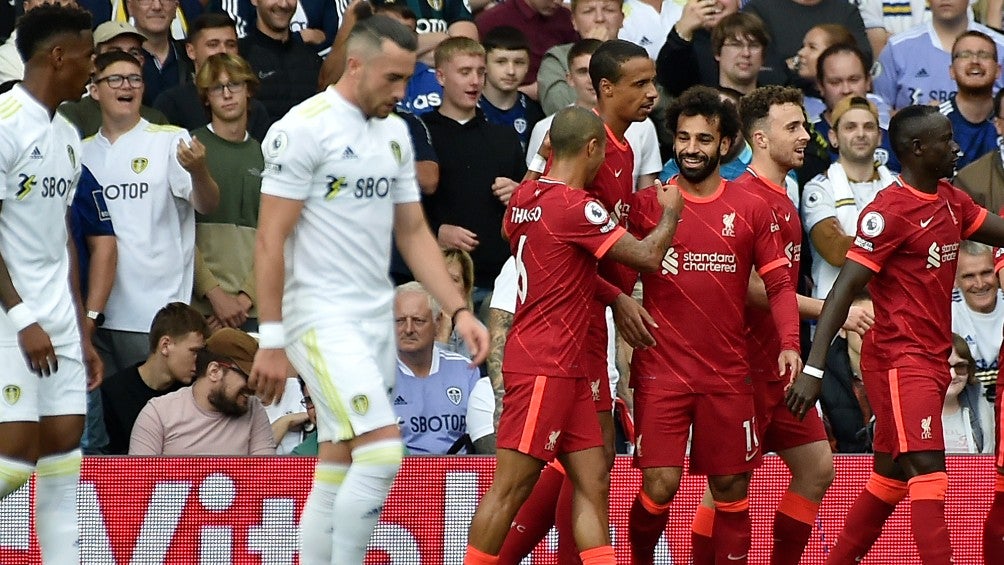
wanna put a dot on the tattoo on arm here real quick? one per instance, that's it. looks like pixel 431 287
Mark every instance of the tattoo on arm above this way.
pixel 499 323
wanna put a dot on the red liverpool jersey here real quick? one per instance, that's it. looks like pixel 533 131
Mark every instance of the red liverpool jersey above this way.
pixel 698 296
pixel 557 235
pixel 614 188
pixel 910 240
pixel 762 341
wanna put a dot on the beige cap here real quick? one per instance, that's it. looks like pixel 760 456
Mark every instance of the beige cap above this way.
pixel 235 345
pixel 110 30
pixel 849 103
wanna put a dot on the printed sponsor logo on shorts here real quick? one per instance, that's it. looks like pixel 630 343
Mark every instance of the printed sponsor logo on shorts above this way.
pixel 925 428
pixel 360 404
pixel 11 394
pixel 552 440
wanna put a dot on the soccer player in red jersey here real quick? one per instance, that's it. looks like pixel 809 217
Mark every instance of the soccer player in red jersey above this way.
pixel 993 527
pixel 697 374
pixel 906 252
pixel 557 234
pixel 623 76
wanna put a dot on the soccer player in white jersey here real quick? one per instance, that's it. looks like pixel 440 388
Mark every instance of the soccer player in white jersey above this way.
pixel 47 366
pixel 339 177
pixel 155 178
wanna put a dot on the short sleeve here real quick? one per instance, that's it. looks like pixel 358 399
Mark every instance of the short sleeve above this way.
pixel 89 207
pixel 886 82
pixel 421 141
pixel 877 237
pixel 586 223
pixel 817 202
pixel 536 139
pixel 971 215
pixel 871 13
pixel 644 212
pixel 406 190
pixel 8 156
pixel 481 409
pixel 262 441
pixel 147 433
pixel 649 158
pixel 504 294
pixel 768 251
pixel 290 154
pixel 179 179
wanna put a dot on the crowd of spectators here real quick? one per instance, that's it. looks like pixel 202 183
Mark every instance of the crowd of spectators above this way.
pixel 183 92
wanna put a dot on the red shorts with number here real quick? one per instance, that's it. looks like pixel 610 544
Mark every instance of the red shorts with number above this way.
pixel 907 403
pixel 546 416
pixel 724 439
pixel 778 428
pixel 595 359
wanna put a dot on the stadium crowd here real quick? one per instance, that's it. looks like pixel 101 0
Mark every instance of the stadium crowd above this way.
pixel 176 134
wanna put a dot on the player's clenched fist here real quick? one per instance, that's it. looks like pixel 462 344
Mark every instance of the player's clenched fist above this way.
pixel 670 198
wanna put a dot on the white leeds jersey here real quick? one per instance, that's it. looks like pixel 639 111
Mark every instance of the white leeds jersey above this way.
pixel 148 195
pixel 349 171
pixel 40 166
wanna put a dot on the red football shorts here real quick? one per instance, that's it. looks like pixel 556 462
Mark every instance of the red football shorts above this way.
pixel 595 359
pixel 907 403
pixel 778 428
pixel 724 427
pixel 545 416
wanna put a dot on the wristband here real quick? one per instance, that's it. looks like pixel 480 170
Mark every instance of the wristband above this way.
pixel 813 371
pixel 453 318
pixel 537 163
pixel 21 317
pixel 271 335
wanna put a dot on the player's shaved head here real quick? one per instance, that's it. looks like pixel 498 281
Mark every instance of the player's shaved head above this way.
pixel 910 124
pixel 572 129
pixel 367 37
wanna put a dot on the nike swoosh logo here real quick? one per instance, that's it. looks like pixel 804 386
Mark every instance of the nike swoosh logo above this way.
pixel 925 223
pixel 749 457
pixel 618 173
pixel 737 558
pixel 787 217
pixel 265 74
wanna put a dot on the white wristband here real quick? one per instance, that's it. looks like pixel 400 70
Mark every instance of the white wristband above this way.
pixel 271 335
pixel 537 163
pixel 813 371
pixel 21 317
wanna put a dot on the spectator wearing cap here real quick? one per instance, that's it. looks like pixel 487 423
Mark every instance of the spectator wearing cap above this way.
pixel 11 65
pixel 110 36
pixel 832 201
pixel 218 415
pixel 983 179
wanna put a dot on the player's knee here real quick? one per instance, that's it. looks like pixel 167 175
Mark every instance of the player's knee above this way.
pixel 661 484
pixel 729 487
pixel 379 459
pixel 13 475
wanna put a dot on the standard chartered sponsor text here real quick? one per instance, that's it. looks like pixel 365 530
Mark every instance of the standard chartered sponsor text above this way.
pixel 709 262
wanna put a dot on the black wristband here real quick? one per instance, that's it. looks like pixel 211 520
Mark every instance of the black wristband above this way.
pixel 453 318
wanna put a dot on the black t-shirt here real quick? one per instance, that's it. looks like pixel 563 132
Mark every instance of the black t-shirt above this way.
pixel 123 396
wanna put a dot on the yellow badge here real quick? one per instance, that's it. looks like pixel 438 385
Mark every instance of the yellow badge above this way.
pixel 395 148
pixel 335 185
pixel 139 164
pixel 11 394
pixel 25 186
pixel 435 4
pixel 360 404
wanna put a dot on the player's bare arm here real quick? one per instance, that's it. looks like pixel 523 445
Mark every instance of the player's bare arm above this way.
pixel 858 319
pixel 276 220
pixel 830 240
pixel 34 342
pixel 805 389
pixel 205 192
pixel 646 255
pixel 499 322
pixel 92 361
pixel 633 321
pixel 422 254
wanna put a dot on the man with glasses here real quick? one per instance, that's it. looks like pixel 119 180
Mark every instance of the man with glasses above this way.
pixel 224 277
pixel 164 65
pixel 974 69
pixel 912 66
pixel 155 178
pixel 85 114
pixel 739 41
pixel 444 405
pixel 218 415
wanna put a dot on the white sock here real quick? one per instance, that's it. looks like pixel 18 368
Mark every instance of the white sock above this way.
pixel 13 474
pixel 318 519
pixel 56 507
pixel 361 498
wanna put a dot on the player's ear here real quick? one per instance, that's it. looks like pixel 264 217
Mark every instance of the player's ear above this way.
pixel 724 145
pixel 832 136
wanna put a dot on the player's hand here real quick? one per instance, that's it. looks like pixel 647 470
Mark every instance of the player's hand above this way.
pixel 858 320
pixel 503 188
pixel 451 236
pixel 192 156
pixel 475 335
pixel 38 350
pixel 802 394
pixel 789 363
pixel 268 375
pixel 95 366
pixel 670 198
pixel 313 36
pixel 227 308
pixel 632 320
